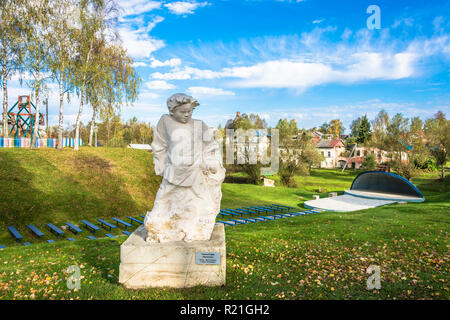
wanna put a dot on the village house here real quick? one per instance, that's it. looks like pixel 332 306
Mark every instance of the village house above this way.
pixel 332 150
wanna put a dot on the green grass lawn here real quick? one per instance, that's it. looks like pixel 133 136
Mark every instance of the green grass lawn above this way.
pixel 320 256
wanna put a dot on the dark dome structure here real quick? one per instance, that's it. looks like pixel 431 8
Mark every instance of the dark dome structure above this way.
pixel 384 185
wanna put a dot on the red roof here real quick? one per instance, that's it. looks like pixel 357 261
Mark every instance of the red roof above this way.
pixel 336 143
pixel 327 143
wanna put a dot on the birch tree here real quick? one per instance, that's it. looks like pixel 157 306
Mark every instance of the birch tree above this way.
pixel 437 130
pixel 116 86
pixel 97 18
pixel 37 53
pixel 11 45
pixel 63 23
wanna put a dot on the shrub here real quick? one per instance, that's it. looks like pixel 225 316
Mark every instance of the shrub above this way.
pixel 369 162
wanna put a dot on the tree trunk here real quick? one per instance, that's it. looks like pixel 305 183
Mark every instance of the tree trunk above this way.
pixel 91 131
pixel 77 128
pixel 36 122
pixel 60 124
pixel 5 96
pixel 443 172
pixel 77 124
pixel 107 130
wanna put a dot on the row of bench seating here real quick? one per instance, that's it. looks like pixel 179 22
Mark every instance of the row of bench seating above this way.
pixel 58 232
pixel 236 216
pixel 273 208
pixel 270 212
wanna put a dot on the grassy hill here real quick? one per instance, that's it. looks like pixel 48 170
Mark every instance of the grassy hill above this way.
pixel 311 257
pixel 46 185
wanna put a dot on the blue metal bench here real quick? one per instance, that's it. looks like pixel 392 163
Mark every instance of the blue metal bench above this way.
pixel 258 218
pixel 89 225
pixel 26 243
pixel 266 218
pixel 248 210
pixel 16 234
pixel 268 208
pixel 248 220
pixel 91 237
pixel 276 216
pixel 50 241
pixel 2 247
pixel 227 211
pixel 238 211
pixel 238 221
pixel 125 224
pixel 297 213
pixel 223 214
pixel 286 215
pixel 109 235
pixel 142 216
pixel 282 206
pixel 55 229
pixel 262 209
pixel 276 208
pixel 35 230
pixel 230 212
pixel 135 220
pixel 107 224
pixel 73 227
pixel 126 232
pixel 254 209
pixel 71 239
pixel 226 223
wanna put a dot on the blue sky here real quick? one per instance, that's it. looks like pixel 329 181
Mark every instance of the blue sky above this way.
pixel 312 60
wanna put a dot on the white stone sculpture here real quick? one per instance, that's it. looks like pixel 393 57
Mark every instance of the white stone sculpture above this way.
pixel 190 162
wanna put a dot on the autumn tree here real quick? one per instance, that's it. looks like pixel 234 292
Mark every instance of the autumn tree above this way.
pixel 97 19
pixel 11 48
pixel 287 128
pixel 37 35
pixel 437 131
pixel 419 154
pixel 335 128
pixel 63 23
pixel 379 125
pixel 297 156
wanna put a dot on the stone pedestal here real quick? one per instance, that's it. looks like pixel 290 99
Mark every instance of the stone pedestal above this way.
pixel 176 264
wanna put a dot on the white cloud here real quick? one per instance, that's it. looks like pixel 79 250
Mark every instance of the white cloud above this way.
pixel 301 62
pixel 205 91
pixel 139 64
pixel 187 73
pixel 159 85
pixel 138 43
pixel 301 75
pixel 133 7
pixel 286 73
pixel 184 7
pixel 148 95
pixel 134 33
pixel 317 21
pixel 174 62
